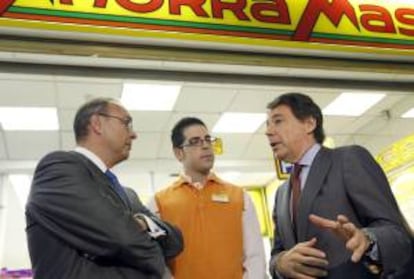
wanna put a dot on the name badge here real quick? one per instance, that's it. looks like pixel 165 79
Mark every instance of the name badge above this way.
pixel 220 198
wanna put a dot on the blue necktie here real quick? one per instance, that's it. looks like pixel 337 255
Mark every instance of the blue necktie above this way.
pixel 117 186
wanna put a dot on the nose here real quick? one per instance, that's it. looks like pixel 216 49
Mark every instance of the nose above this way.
pixel 268 131
pixel 133 134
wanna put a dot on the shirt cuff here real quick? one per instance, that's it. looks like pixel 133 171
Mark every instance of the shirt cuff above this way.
pixel 153 229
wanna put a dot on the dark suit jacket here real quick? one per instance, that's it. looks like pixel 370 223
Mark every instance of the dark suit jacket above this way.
pixel 345 181
pixel 78 227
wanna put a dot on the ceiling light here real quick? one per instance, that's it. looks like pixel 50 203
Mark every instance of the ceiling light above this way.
pixel 149 97
pixel 29 119
pixel 233 122
pixel 408 114
pixel 352 104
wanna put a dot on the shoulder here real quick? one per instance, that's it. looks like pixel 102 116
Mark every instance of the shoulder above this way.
pixel 56 157
pixel 350 151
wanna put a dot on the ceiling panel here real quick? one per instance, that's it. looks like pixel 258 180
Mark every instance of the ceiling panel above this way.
pixel 67 140
pixel 31 145
pixel 204 98
pixel 21 92
pixel 250 100
pixel 207 101
pixel 3 146
pixel 153 121
pixel 234 145
pixel 74 93
pixel 258 148
pixel 145 146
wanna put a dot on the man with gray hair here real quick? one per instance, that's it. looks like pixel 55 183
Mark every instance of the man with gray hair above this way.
pixel 81 223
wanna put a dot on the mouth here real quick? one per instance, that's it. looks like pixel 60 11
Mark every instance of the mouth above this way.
pixel 274 145
pixel 207 157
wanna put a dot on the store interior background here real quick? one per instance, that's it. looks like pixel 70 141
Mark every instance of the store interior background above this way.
pixel 246 161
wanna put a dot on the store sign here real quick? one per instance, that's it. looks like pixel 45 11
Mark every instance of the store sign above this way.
pixel 400 153
pixel 382 26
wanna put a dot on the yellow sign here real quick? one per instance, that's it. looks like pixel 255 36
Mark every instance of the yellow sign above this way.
pixel 398 154
pixel 379 26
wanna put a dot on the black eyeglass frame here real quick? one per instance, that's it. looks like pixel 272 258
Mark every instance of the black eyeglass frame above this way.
pixel 198 142
pixel 127 122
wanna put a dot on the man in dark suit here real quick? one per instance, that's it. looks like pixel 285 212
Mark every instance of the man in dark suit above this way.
pixel 81 223
pixel 336 217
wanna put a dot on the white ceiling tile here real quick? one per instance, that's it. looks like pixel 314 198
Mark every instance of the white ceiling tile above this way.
pixel 145 146
pixel 166 150
pixel 150 121
pixel 66 118
pixel 31 145
pixel 74 94
pixel 204 99
pixel 234 145
pixel 18 92
pixel 3 146
pixel 251 101
pixel 67 141
pixel 258 148
pixel 337 124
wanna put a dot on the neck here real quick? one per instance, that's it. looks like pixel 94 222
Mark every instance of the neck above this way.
pixel 197 177
pixel 98 152
pixel 302 152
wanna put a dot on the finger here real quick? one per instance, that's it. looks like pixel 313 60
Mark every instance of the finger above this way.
pixel 349 229
pixel 312 271
pixel 342 219
pixel 315 262
pixel 358 253
pixel 353 243
pixel 322 222
pixel 311 252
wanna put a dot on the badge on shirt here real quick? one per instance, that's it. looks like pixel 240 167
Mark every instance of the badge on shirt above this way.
pixel 222 197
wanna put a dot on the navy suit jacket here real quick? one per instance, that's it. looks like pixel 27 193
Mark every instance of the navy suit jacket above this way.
pixel 344 181
pixel 78 227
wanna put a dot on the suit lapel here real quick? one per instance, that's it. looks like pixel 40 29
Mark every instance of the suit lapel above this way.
pixel 317 173
pixel 100 178
pixel 283 204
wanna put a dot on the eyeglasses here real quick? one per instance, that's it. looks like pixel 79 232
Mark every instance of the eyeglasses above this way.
pixel 197 141
pixel 127 122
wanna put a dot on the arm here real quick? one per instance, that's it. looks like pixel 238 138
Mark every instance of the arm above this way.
pixel 375 205
pixel 69 201
pixel 254 259
pixel 172 241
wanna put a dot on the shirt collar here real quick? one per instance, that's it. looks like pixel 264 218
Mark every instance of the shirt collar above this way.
pixel 91 156
pixel 185 179
pixel 309 155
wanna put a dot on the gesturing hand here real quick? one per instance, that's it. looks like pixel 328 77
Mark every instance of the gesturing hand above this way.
pixel 303 261
pixel 355 239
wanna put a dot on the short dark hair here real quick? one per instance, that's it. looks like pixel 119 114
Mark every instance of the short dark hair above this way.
pixel 177 133
pixel 302 107
pixel 84 114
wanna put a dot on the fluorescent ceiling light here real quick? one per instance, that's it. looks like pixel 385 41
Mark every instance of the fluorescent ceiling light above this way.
pixel 149 97
pixel 21 185
pixel 352 104
pixel 29 119
pixel 234 122
pixel 408 114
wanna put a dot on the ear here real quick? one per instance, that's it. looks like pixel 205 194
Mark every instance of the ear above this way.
pixel 95 124
pixel 179 153
pixel 310 123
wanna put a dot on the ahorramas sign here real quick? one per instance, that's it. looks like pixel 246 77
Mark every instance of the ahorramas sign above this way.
pixel 382 26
